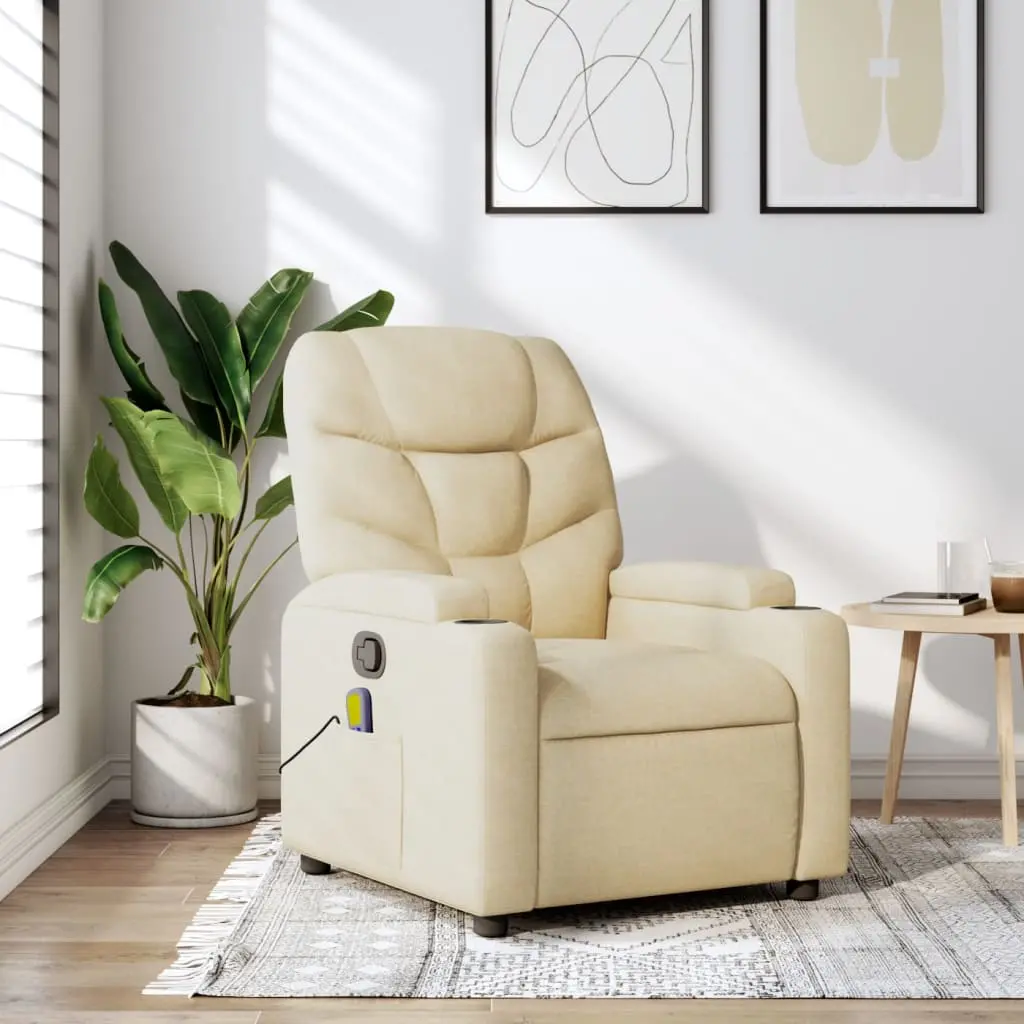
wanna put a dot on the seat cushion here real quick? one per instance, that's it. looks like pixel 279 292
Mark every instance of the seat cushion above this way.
pixel 619 687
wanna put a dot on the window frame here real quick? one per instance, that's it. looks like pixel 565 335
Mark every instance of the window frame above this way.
pixel 51 383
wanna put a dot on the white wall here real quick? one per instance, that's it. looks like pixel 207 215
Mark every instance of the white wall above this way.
pixel 827 394
pixel 57 773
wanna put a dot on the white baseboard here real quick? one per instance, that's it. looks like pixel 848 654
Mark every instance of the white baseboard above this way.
pixel 26 845
pixel 121 778
pixel 934 778
pixel 924 778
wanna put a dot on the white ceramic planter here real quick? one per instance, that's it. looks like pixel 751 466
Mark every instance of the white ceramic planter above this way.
pixel 194 767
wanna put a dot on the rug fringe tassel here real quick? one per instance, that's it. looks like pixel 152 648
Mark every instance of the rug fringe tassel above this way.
pixel 204 948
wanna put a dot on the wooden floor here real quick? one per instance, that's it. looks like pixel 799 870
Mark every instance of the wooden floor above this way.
pixel 82 936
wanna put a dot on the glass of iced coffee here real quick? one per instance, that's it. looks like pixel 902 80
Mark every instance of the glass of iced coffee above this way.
pixel 1007 580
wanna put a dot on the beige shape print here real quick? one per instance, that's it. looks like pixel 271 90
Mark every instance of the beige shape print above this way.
pixel 839 44
pixel 915 100
pixel 841 103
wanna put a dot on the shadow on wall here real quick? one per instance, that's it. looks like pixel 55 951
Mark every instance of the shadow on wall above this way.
pixel 961 671
pixel 664 514
pixel 79 428
pixel 954 700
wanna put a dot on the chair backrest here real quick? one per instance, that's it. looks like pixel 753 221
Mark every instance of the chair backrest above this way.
pixel 455 451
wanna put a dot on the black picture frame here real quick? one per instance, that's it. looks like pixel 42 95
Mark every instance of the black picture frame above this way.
pixel 705 204
pixel 977 207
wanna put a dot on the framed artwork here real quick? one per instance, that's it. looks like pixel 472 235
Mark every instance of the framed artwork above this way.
pixel 872 106
pixel 597 106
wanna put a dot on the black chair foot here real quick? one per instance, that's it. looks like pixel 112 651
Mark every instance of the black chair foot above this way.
pixel 803 890
pixel 491 927
pixel 312 866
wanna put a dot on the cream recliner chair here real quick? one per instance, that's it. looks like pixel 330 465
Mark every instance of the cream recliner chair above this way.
pixel 547 728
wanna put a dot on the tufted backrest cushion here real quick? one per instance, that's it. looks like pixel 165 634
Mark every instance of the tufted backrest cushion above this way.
pixel 455 451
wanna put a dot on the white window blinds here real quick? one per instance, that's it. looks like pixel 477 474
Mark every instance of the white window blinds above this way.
pixel 28 311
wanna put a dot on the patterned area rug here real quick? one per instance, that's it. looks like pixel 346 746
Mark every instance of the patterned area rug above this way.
pixel 931 908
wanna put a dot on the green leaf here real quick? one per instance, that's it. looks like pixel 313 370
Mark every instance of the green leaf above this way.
pixel 275 499
pixel 372 311
pixel 111 574
pixel 182 682
pixel 204 417
pixel 273 418
pixel 130 422
pixel 183 355
pixel 141 390
pixel 264 322
pixel 200 435
pixel 206 482
pixel 206 422
pixel 222 349
pixel 106 498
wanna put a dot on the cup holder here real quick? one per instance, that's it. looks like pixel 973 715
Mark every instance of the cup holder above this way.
pixel 479 622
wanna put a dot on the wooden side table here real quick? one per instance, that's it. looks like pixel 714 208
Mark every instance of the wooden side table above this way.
pixel 999 627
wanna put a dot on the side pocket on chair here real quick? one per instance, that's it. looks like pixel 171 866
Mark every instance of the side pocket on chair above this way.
pixel 369 800
pixel 343 802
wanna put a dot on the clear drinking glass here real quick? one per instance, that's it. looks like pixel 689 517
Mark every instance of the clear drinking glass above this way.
pixel 961 567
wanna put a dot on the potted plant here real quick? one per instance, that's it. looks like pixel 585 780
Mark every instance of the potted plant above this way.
pixel 194 751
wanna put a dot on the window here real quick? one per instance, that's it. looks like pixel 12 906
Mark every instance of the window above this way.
pixel 28 362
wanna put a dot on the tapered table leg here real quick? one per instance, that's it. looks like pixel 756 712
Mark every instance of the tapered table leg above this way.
pixel 900 720
pixel 1004 732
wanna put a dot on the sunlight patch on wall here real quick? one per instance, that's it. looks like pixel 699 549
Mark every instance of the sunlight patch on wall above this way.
pixel 800 440
pixel 381 155
pixel 298 231
pixel 279 468
pixel 632 448
pixel 269 688
pixel 940 716
pixel 356 162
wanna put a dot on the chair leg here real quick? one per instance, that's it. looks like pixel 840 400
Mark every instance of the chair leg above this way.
pixel 491 927
pixel 803 890
pixel 312 866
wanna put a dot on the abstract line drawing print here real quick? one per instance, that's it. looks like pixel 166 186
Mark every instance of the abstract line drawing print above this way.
pixel 597 103
pixel 856 58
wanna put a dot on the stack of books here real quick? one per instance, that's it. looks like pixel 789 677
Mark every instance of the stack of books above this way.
pixel 920 602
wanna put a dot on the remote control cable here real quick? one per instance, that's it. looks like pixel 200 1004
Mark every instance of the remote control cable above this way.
pixel 310 741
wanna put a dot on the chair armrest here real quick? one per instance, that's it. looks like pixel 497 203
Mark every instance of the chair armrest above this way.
pixel 811 648
pixel 441 798
pixel 703 583
pixel 416 596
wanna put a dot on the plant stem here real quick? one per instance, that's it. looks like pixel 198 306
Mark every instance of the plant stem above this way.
pixel 163 554
pixel 214 562
pixel 248 551
pixel 206 552
pixel 218 684
pixel 225 546
pixel 198 616
pixel 181 556
pixel 224 436
pixel 192 548
pixel 252 590
pixel 246 475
